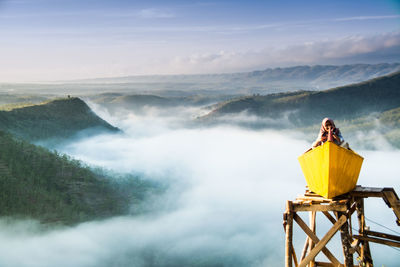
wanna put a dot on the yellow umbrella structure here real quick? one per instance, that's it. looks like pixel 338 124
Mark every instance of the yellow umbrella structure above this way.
pixel 331 170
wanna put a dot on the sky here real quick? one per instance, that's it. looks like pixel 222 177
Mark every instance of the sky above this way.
pixel 44 40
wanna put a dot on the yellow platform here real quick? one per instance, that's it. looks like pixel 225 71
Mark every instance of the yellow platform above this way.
pixel 331 170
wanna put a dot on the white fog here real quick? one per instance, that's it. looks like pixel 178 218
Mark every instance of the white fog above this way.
pixel 227 192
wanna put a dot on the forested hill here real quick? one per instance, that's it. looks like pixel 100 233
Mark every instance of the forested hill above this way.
pixel 49 187
pixel 308 107
pixel 61 118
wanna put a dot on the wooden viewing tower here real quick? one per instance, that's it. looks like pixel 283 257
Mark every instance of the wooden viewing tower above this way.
pixel 339 212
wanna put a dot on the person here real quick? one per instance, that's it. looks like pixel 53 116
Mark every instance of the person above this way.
pixel 329 126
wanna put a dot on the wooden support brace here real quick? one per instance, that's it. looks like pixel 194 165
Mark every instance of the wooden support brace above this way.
pixel 383 235
pixel 316 240
pixel 352 209
pixel 296 264
pixel 321 244
pixel 305 248
pixel 378 240
pixel 393 200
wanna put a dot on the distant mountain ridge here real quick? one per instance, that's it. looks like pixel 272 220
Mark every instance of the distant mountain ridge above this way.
pixel 275 79
pixel 327 74
pixel 61 118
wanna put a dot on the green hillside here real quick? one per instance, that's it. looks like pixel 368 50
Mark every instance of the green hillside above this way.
pixel 386 123
pixel 61 118
pixel 308 107
pixel 36 183
pixel 362 131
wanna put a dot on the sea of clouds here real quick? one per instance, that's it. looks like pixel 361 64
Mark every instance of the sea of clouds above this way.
pixel 227 191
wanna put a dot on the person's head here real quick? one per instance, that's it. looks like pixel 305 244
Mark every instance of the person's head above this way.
pixel 328 124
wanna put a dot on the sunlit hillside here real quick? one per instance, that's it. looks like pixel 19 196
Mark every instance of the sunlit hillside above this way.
pixel 61 118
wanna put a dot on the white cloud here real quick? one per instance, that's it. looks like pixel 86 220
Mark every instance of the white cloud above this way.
pixel 349 49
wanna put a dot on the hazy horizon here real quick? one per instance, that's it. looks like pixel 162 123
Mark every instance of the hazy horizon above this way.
pixel 67 40
pixel 200 74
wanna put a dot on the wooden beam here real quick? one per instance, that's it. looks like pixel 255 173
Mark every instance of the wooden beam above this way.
pixel 318 207
pixel 315 239
pixel 378 240
pixel 365 192
pixel 314 198
pixel 321 244
pixel 324 264
pixel 383 235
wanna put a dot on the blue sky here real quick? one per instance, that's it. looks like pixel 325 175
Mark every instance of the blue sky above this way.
pixel 59 39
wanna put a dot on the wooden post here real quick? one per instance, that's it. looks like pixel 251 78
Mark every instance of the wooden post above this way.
pixel 346 244
pixel 288 220
pixel 365 255
pixel 350 222
pixel 313 229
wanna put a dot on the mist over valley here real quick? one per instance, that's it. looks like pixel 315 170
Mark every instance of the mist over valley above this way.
pixel 150 180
